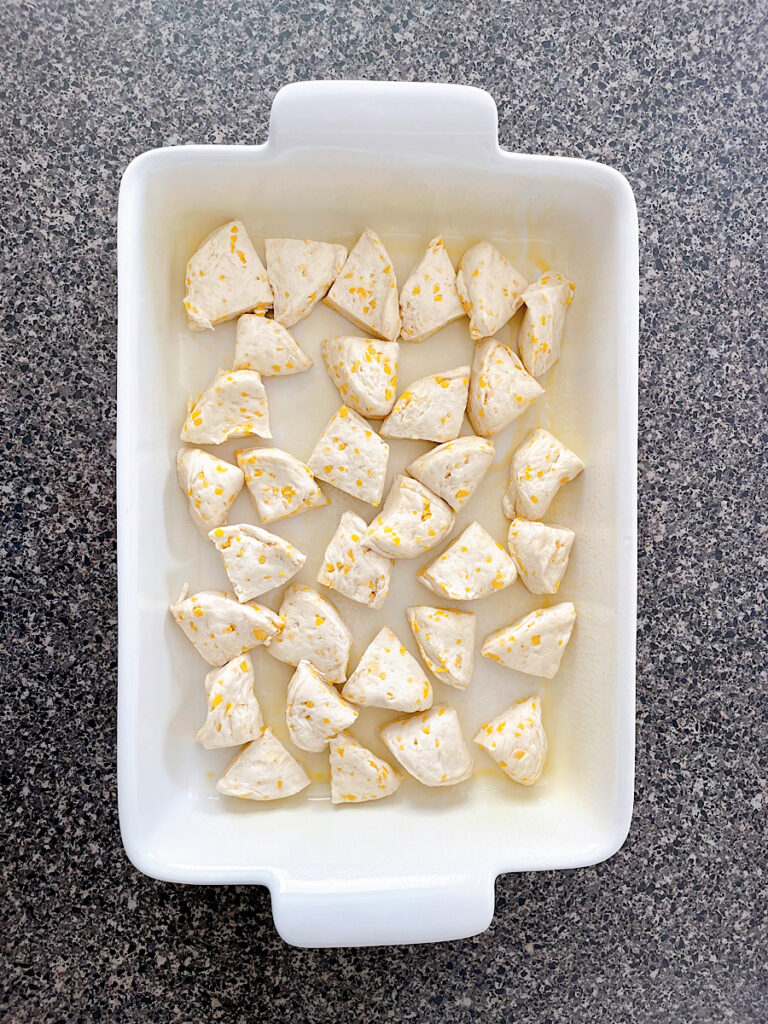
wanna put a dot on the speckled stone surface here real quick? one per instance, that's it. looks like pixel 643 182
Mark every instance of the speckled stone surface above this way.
pixel 673 928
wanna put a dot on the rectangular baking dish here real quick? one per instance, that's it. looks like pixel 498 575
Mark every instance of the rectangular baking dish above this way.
pixel 411 161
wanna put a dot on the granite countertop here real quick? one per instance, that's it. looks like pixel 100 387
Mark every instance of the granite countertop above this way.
pixel 674 95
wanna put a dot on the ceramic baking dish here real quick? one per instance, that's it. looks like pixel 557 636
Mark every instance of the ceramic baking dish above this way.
pixel 410 161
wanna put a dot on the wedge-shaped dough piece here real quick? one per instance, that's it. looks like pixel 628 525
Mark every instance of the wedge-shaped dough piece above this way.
pixel 365 290
pixel 353 570
pixel 428 299
pixel 365 372
pixel 314 711
pixel 446 640
pixel 225 278
pixel 387 676
pixel 357 774
pixel 431 409
pixel 516 741
pixel 255 560
pixel 430 746
pixel 499 388
pixel 313 631
pixel 234 715
pixel 301 272
pixel 534 644
pixel 539 468
pixel 412 520
pixel 453 470
pixel 279 484
pixel 350 455
pixel 541 553
pixel 541 333
pixel 473 566
pixel 266 346
pixel 490 289
pixel 263 770
pixel 210 484
pixel 220 627
pixel 233 405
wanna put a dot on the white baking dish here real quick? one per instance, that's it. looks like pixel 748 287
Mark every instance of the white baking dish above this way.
pixel 411 161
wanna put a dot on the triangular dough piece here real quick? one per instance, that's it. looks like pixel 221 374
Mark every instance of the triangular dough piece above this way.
pixel 365 290
pixel 387 676
pixel 210 484
pixel 541 333
pixel 234 715
pixel 430 746
pixel 412 520
pixel 279 484
pixel 220 627
pixel 534 644
pixel 454 470
pixel 314 711
pixel 350 455
pixel 539 468
pixel 490 289
pixel 516 741
pixel 446 640
pixel 431 409
pixel 313 631
pixel 233 405
pixel 225 278
pixel 499 388
pixel 353 570
pixel 263 770
pixel 428 299
pixel 266 346
pixel 255 560
pixel 301 272
pixel 357 774
pixel 365 372
pixel 474 566
pixel 541 553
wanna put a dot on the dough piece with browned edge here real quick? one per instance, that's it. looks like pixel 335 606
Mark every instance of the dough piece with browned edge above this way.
pixel 263 770
pixel 412 520
pixel 473 566
pixel 365 290
pixel 210 484
pixel 516 741
pixel 541 553
pixel 387 676
pixel 314 711
pixel 365 372
pixel 490 289
pixel 266 346
pixel 446 640
pixel 313 631
pixel 537 471
pixel 233 405
pixel 430 746
pixel 540 338
pixel 534 644
pixel 301 272
pixel 279 484
pixel 353 570
pixel 454 470
pixel 220 627
pixel 428 299
pixel 234 715
pixel 255 560
pixel 499 388
pixel 431 409
pixel 357 774
pixel 350 455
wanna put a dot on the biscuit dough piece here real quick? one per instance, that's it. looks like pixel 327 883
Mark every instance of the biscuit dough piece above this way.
pixel 353 570
pixel 454 470
pixel 539 468
pixel 428 299
pixel 365 290
pixel 220 627
pixel 263 770
pixel 387 676
pixel 350 455
pixel 473 566
pixel 534 644
pixel 210 484
pixel 255 560
pixel 500 390
pixel 234 715
pixel 541 553
pixel 279 484
pixel 266 346
pixel 540 338
pixel 490 289
pixel 314 711
pixel 365 372
pixel 516 741
pixel 313 631
pixel 446 640
pixel 431 409
pixel 300 273
pixel 412 521
pixel 430 746
pixel 357 774
pixel 233 405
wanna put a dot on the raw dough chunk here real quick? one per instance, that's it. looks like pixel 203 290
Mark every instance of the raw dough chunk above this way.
pixel 431 409
pixel 353 570
pixel 365 372
pixel 446 640
pixel 264 770
pixel 541 553
pixel 516 741
pixel 536 643
pixel 210 484
pixel 225 278
pixel 220 627
pixel 365 290
pixel 499 388
pixel 279 484
pixel 233 405
pixel 357 774
pixel 490 289
pixel 539 468
pixel 541 332
pixel 473 566
pixel 350 455
pixel 301 272
pixel 255 560
pixel 430 746
pixel 234 715
pixel 314 711
pixel 412 521
pixel 428 299
pixel 387 676
pixel 453 470
pixel 266 346
pixel 314 631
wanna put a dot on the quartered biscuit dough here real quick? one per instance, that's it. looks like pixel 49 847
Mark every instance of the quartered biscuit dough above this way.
pixel 453 470
pixel 431 409
pixel 541 333
pixel 266 346
pixel 516 741
pixel 536 643
pixel 350 455
pixel 301 272
pixel 541 553
pixel 412 520
pixel 490 289
pixel 428 299
pixel 233 405
pixel 365 372
pixel 255 560
pixel 220 627
pixel 313 631
pixel 500 390
pixel 263 770
pixel 387 676
pixel 430 746
pixel 357 774
pixel 446 640
pixel 353 570
pixel 210 484
pixel 539 468
pixel 365 290
pixel 314 711
pixel 473 566
pixel 279 484
pixel 234 715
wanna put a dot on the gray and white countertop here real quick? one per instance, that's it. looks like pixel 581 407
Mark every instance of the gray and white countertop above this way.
pixel 673 928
